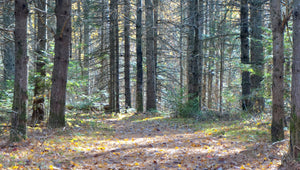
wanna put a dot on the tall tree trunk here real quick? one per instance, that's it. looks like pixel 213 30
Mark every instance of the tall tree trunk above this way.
pixel 244 34
pixel 116 74
pixel 257 56
pixel 222 51
pixel 38 110
pixel 181 49
pixel 139 60
pixel 158 85
pixel 199 48
pixel 20 101
pixel 151 78
pixel 61 62
pixel 114 59
pixel 192 52
pixel 277 132
pixel 294 150
pixel 8 47
pixel 127 53
pixel 86 38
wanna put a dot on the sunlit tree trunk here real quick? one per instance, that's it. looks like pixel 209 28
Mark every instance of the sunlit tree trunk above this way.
pixel 61 62
pixel 19 115
pixel 155 51
pixel 38 109
pixel 139 55
pixel 277 132
pixel 181 62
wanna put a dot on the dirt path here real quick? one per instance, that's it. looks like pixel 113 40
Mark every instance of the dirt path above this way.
pixel 160 144
pixel 146 142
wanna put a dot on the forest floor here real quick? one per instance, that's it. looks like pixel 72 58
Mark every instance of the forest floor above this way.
pixel 129 141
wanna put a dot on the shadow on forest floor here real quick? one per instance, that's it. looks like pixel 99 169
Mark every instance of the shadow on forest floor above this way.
pixel 97 141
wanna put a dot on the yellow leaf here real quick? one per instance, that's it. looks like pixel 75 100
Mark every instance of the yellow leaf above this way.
pixel 242 167
pixel 101 148
pixel 69 124
pixel 1 165
pixel 51 167
pixel 15 167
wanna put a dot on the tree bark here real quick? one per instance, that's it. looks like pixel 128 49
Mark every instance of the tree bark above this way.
pixel 127 53
pixel 61 61
pixel 294 150
pixel 199 48
pixel 151 78
pixel 192 52
pixel 257 56
pixel 211 55
pixel 244 34
pixel 86 50
pixel 19 115
pixel 139 55
pixel 277 131
pixel 114 57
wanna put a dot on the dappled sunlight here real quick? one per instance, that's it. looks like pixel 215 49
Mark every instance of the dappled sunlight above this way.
pixel 146 142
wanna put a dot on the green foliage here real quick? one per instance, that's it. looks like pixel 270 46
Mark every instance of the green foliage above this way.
pixel 179 107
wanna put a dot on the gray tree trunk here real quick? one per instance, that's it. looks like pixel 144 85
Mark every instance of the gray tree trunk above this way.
pixel 199 47
pixel 193 51
pixel 277 132
pixel 19 115
pixel 38 110
pixel 127 53
pixel 114 59
pixel 295 112
pixel 86 39
pixel 211 54
pixel 61 61
pixel 257 54
pixel 139 61
pixel 151 78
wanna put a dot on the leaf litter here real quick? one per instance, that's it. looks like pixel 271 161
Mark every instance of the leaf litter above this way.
pixel 145 142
